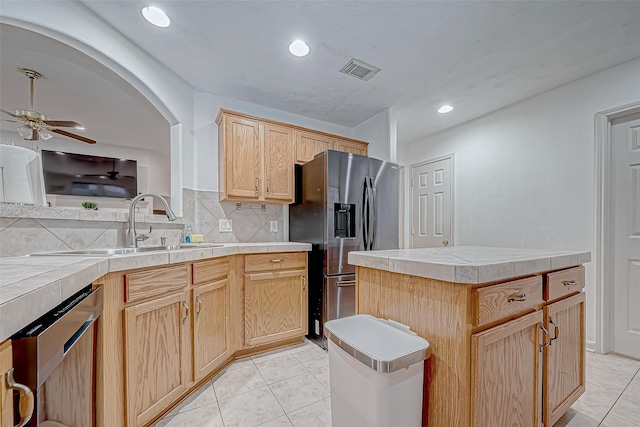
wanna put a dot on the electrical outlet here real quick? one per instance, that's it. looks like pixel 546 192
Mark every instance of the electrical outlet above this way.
pixel 274 226
pixel 225 226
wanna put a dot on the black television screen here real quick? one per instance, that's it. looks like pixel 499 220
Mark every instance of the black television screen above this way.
pixel 84 175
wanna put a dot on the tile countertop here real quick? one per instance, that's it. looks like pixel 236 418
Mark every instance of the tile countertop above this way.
pixel 30 286
pixel 468 264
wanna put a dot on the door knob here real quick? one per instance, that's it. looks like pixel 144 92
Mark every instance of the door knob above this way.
pixel 445 242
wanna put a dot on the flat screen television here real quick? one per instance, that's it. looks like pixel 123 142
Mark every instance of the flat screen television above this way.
pixel 93 176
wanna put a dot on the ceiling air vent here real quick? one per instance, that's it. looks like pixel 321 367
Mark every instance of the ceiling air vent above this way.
pixel 359 69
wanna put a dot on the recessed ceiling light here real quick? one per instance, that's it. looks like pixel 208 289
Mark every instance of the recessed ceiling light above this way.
pixel 156 16
pixel 445 109
pixel 299 48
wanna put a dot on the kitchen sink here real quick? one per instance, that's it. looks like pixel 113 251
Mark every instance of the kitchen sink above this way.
pixel 111 252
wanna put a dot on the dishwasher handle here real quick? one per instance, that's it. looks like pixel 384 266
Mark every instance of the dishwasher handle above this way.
pixel 26 403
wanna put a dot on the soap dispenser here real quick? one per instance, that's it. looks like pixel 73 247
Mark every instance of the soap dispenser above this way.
pixel 187 234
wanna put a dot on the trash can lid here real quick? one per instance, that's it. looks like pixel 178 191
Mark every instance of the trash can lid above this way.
pixel 384 346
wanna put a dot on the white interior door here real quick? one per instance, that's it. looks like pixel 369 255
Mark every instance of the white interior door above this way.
pixel 431 204
pixel 625 143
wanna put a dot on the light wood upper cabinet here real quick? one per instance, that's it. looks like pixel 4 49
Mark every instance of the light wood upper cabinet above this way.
pixel 564 356
pixel 278 163
pixel 349 146
pixel 156 348
pixel 242 157
pixel 256 156
pixel 210 339
pixel 505 374
pixel 308 144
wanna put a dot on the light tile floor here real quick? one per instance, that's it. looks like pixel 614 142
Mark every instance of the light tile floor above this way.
pixel 290 387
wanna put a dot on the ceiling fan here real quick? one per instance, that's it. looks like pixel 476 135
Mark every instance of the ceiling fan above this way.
pixel 36 125
pixel 112 174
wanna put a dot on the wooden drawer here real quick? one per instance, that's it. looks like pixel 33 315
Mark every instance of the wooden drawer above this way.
pixel 275 261
pixel 151 283
pixel 210 270
pixel 505 299
pixel 563 282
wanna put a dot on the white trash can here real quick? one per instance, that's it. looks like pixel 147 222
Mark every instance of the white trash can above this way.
pixel 376 371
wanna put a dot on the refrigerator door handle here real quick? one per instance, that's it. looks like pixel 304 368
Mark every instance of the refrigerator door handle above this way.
pixel 372 212
pixel 365 214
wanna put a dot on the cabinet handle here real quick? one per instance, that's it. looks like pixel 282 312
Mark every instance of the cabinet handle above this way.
pixel 275 260
pixel 304 284
pixel 199 305
pixel 556 331
pixel 545 332
pixel 517 297
pixel 256 185
pixel 186 314
pixel 25 405
pixel 569 283
pixel 268 184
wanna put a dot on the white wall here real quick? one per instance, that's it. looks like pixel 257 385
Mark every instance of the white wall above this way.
pixel 206 107
pixel 78 27
pixel 524 175
pixel 376 131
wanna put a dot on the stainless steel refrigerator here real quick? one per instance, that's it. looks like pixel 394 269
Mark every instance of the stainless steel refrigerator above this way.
pixel 345 203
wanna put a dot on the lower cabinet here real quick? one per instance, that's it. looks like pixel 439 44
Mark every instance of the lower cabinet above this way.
pixel 506 362
pixel 156 349
pixel 6 394
pixel 210 330
pixel 564 356
pixel 275 306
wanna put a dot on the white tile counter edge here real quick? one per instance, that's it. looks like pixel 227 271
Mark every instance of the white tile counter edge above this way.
pixel 35 295
pixel 468 264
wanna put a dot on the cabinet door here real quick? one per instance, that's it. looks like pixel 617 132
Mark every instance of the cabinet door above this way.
pixel 505 374
pixel 308 144
pixel 243 155
pixel 210 340
pixel 155 354
pixel 564 357
pixel 275 306
pixel 351 147
pixel 278 162
pixel 6 394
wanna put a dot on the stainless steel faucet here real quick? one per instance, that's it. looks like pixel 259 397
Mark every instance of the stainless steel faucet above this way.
pixel 133 237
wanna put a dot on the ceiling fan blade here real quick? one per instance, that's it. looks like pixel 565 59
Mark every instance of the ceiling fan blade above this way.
pixel 63 123
pixel 11 121
pixel 8 112
pixel 73 135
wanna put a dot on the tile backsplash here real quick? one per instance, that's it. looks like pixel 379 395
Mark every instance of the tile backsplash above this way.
pixel 250 222
pixel 27 230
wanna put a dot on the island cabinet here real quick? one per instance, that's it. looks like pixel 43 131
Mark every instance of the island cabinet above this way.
pixel 166 330
pixel 503 354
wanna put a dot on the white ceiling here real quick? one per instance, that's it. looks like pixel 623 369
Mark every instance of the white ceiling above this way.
pixel 76 87
pixel 477 55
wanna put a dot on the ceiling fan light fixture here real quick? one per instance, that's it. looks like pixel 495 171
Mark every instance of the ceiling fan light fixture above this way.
pixel 44 134
pixel 156 16
pixel 25 132
pixel 445 109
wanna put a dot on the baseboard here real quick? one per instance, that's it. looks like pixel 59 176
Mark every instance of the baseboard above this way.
pixel 591 346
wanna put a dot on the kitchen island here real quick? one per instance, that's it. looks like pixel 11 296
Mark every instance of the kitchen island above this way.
pixel 506 327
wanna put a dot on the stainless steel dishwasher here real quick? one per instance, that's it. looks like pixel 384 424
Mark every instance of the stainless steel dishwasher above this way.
pixel 55 357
